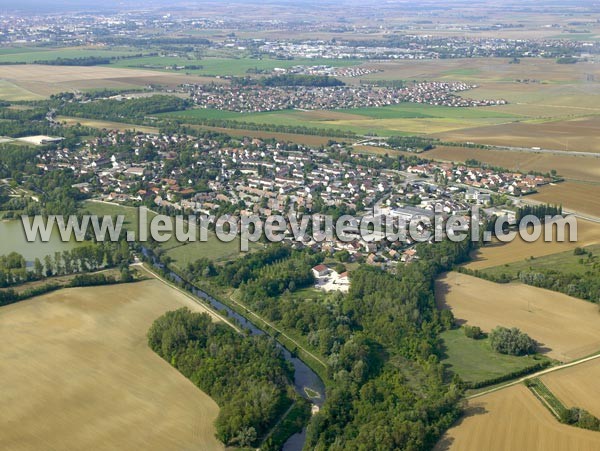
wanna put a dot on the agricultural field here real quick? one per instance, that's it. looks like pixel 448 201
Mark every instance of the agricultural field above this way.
pixel 12 91
pixel 573 195
pixel 513 418
pixel 309 140
pixel 496 254
pixel 567 121
pixel 568 166
pixel 566 327
pixel 96 123
pixel 31 54
pixel 486 71
pixel 474 360
pixel 405 118
pixel 82 376
pixel 574 134
pixel 556 107
pixel 29 81
pixel 222 66
pixel 566 261
pixel 577 386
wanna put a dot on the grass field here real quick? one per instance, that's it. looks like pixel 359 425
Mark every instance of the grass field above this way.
pixel 565 261
pixel 183 254
pixel 474 360
pixel 225 66
pixel 514 419
pixel 405 118
pixel 31 54
pixel 497 254
pixel 577 386
pixel 95 123
pixel 566 328
pixel 78 374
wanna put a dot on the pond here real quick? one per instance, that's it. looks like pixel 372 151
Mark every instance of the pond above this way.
pixel 12 239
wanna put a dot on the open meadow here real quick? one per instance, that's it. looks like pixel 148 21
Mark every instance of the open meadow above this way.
pixel 565 327
pixel 181 253
pixel 108 125
pixel 475 360
pixel 78 374
pixel 514 419
pixel 496 254
pixel 577 386
pixel 213 66
pixel 566 261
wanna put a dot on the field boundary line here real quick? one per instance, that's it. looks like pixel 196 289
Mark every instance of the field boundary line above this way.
pixel 208 308
pixel 534 375
pixel 544 401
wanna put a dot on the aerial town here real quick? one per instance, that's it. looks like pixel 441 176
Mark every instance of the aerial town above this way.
pixel 253 176
pixel 300 225
pixel 246 99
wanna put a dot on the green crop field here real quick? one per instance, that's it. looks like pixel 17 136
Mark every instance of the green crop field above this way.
pixel 474 360
pixel 284 117
pixel 225 66
pixel 418 110
pixel 30 55
pixel 405 118
pixel 10 91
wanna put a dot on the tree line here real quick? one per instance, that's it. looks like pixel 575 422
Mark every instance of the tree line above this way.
pixel 119 110
pixel 377 340
pixel 584 286
pixel 293 80
pixel 81 259
pixel 77 61
pixel 246 375
pixel 411 143
pixel 539 211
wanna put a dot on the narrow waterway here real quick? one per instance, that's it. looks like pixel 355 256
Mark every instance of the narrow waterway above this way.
pixel 304 377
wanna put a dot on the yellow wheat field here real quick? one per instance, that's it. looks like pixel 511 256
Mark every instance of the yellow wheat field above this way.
pixel 77 374
pixel 577 386
pixel 566 327
pixel 514 419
